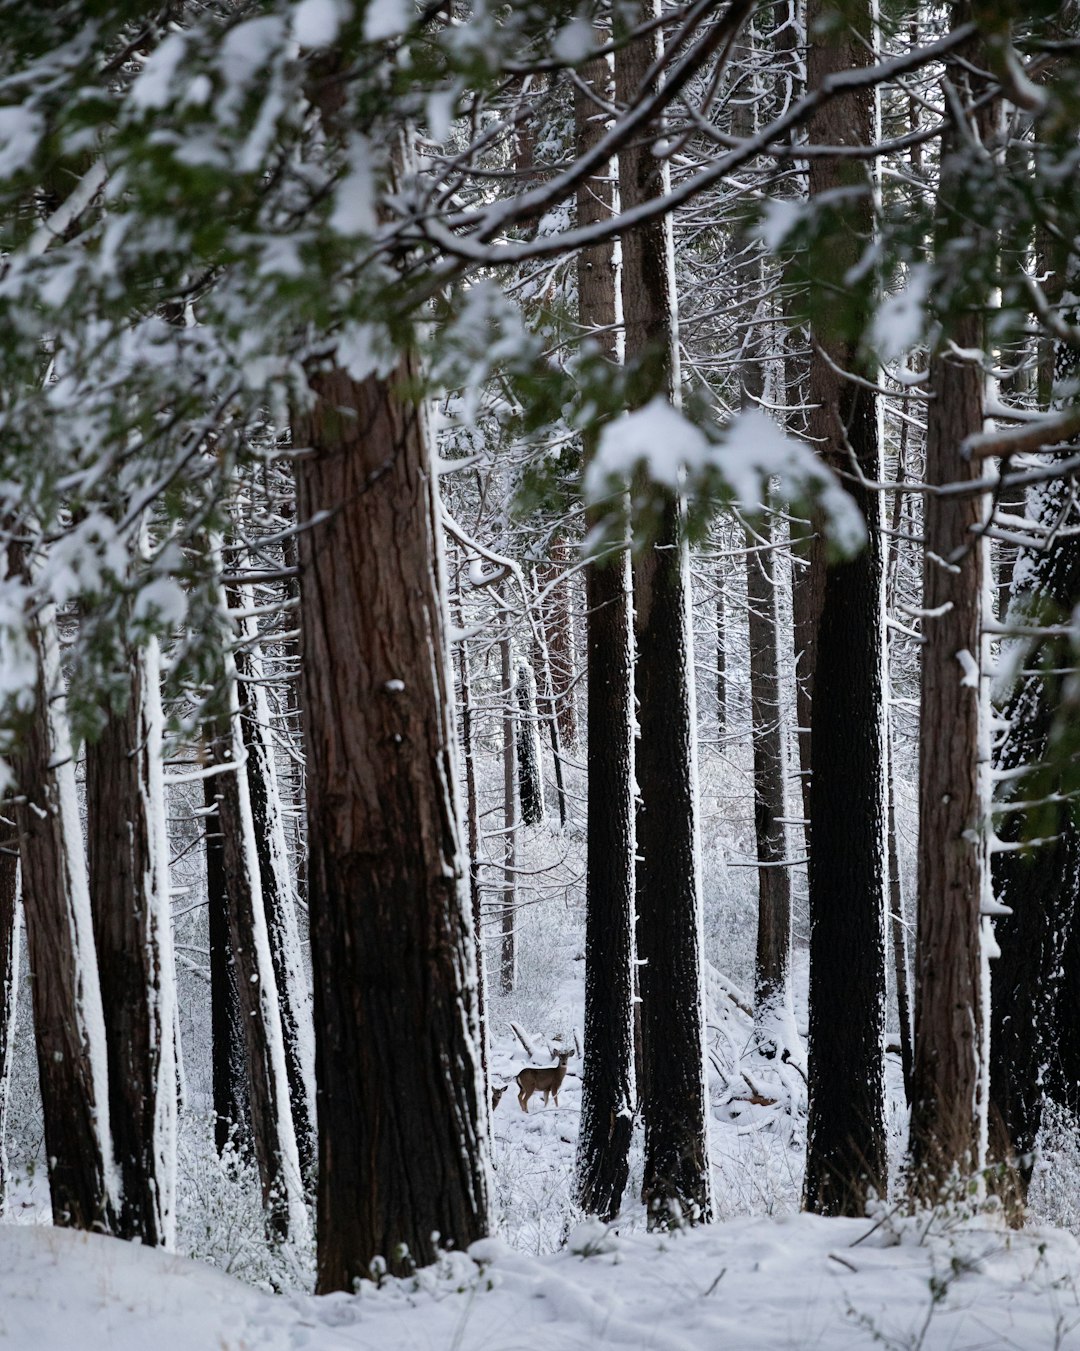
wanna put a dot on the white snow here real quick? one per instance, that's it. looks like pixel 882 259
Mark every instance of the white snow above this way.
pixel 316 23
pixel 753 1284
pixel 778 218
pixel 574 41
pixel 153 85
pixel 900 319
pixel 20 131
pixel 354 201
pixel 750 451
pixel 386 19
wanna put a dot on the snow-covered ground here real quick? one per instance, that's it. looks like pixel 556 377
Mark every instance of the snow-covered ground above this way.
pixel 784 1283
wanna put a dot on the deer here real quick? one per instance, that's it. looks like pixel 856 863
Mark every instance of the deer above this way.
pixel 547 1080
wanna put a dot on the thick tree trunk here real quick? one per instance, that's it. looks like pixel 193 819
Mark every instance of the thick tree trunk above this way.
pixel 127 850
pixel 232 1116
pixel 272 1131
pixel 1033 1014
pixel 279 904
pixel 842 615
pixel 402 1148
pixel 68 1022
pixel 9 988
pixel 677 1185
pixel 948 1125
pixel 607 1089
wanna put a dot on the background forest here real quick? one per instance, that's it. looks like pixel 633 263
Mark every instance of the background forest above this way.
pixel 541 556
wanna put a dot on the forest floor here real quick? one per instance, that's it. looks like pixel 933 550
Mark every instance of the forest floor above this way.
pixel 783 1283
pixel 765 1276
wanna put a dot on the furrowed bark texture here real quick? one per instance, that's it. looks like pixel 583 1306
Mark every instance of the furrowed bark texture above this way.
pixel 677 1185
pixel 948 1003
pixel 846 1147
pixel 9 989
pixel 947 1090
pixel 129 900
pixel 402 1154
pixel 232 1116
pixel 607 1088
pixel 68 1025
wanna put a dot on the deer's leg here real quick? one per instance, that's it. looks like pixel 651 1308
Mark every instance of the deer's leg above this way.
pixel 523 1099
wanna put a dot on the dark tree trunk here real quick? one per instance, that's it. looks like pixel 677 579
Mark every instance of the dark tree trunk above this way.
pixel 1033 1011
pixel 898 927
pixel 774 880
pixel 530 783
pixel 721 656
pixel 677 1185
pixel 272 1132
pixel 843 615
pixel 508 925
pixel 948 1084
pixel 280 910
pixel 129 896
pixel 232 1117
pixel 402 1153
pixel 472 817
pixel 607 1089
pixel 68 1025
pixel 9 986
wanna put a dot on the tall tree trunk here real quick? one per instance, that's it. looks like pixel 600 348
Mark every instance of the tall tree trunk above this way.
pixel 721 655
pixel 402 1147
pixel 898 927
pixel 232 1116
pixel 607 1088
pixel 557 619
pixel 472 818
pixel 948 1087
pixel 846 1149
pixel 127 848
pixel 279 903
pixel 677 1184
pixel 9 989
pixel 508 927
pixel 772 994
pixel 530 782
pixel 68 1022
pixel 272 1130
pixel 1034 1011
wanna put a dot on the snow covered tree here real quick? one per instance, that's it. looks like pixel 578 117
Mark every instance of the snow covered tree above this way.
pixel 607 1089
pixel 127 849
pixel 69 1028
pixel 677 1184
pixel 846 1130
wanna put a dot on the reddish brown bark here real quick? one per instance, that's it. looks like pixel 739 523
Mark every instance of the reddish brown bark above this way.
pixel 401 1152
